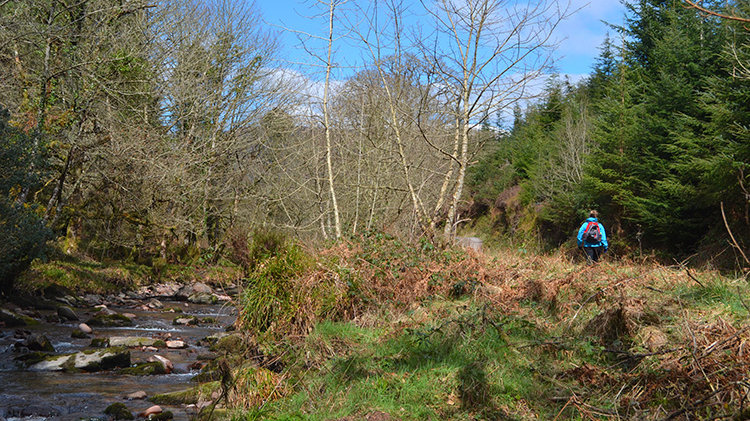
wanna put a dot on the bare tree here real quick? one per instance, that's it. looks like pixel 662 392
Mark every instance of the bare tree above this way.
pixel 484 53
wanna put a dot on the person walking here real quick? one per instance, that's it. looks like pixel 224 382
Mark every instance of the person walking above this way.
pixel 592 238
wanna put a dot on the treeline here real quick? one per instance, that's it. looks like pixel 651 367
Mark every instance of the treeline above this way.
pixel 165 129
pixel 657 139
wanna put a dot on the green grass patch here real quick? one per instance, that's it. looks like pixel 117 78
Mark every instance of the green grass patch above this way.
pixel 462 365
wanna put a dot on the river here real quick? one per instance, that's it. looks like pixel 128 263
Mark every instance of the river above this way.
pixel 41 395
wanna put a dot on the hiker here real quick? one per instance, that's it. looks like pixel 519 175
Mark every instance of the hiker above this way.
pixel 592 239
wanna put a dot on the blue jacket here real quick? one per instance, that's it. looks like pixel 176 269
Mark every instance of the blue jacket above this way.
pixel 603 243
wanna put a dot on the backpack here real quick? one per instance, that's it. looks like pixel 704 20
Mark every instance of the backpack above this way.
pixel 592 234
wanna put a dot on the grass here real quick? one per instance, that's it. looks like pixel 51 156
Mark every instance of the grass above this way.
pixel 91 277
pixel 428 334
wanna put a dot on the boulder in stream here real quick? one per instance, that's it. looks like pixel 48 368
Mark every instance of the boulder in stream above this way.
pixel 131 341
pixel 145 369
pixel 38 342
pixel 203 298
pixel 189 290
pixel 176 344
pixel 83 327
pixel 156 409
pixel 168 366
pixel 78 334
pixel 118 411
pixel 154 304
pixel 136 395
pixel 92 360
pixel 109 320
pixel 66 313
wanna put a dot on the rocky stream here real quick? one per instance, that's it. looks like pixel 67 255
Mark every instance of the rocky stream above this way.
pixel 66 357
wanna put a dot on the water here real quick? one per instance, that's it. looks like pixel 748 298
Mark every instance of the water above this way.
pixel 35 395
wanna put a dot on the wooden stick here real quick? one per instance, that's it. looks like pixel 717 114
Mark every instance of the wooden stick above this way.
pixel 734 242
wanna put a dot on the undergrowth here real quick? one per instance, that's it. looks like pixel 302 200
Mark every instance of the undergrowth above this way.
pixel 380 329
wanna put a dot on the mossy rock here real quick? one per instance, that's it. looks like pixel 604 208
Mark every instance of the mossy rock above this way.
pixel 38 342
pixel 145 369
pixel 119 411
pixel 109 320
pixel 99 343
pixel 185 321
pixel 209 373
pixel 230 344
pixel 160 343
pixel 185 397
pixel 79 334
pixel 164 416
pixel 12 319
pixel 32 358
pixel 212 339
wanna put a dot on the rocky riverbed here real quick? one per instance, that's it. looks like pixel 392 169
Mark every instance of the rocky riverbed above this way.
pixel 66 357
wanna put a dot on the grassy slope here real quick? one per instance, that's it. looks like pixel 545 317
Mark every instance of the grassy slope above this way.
pixel 92 277
pixel 530 338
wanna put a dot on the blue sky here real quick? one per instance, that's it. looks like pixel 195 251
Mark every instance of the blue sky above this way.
pixel 579 36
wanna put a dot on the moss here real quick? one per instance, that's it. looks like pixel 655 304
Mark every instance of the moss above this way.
pixel 99 343
pixel 109 320
pixel 32 358
pixel 145 369
pixel 119 411
pixel 185 397
pixel 229 344
pixel 160 343
pixel 79 334
pixel 164 416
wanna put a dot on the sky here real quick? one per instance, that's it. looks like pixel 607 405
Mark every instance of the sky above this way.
pixel 579 36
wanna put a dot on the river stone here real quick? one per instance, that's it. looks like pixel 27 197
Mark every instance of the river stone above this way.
pixel 189 290
pixel 87 361
pixel 109 320
pixel 168 366
pixel 66 313
pixel 104 310
pixel 83 327
pixel 92 299
pixel 136 395
pixel 186 321
pixel 118 411
pixel 131 341
pixel 203 298
pixel 154 303
pixel 156 409
pixel 176 344
pixel 38 342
